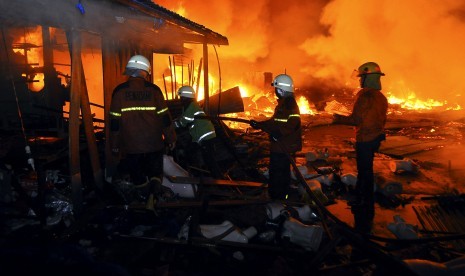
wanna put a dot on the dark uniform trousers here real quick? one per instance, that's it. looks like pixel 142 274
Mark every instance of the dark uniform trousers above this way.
pixel 280 175
pixel 365 153
pixel 143 165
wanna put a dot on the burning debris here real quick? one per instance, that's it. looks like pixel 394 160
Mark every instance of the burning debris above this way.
pixel 61 204
pixel 235 219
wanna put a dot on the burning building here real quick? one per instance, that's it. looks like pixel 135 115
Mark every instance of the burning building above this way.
pixel 60 61
pixel 47 81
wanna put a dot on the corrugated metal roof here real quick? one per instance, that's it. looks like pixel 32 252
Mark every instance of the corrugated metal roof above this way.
pixel 152 9
pixel 101 17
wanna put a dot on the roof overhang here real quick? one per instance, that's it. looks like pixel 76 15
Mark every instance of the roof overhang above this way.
pixel 138 22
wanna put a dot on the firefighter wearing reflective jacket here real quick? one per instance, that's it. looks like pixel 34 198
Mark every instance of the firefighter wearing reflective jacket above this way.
pixel 369 116
pixel 140 127
pixel 202 131
pixel 284 129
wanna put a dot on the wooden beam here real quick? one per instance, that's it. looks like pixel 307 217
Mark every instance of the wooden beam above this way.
pixel 206 86
pixel 112 76
pixel 75 101
pixel 88 122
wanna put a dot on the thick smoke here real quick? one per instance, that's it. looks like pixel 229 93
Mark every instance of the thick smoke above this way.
pixel 264 35
pixel 417 43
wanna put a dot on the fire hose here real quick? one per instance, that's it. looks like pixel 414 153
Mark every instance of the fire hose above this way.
pixel 368 246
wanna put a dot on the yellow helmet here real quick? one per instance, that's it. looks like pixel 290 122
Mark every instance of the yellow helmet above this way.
pixel 284 82
pixel 139 62
pixel 369 68
pixel 186 91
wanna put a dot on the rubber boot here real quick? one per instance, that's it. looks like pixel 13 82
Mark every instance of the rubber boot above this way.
pixel 154 188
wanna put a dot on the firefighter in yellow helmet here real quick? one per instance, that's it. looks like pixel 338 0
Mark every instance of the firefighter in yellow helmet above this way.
pixel 369 118
pixel 284 129
pixel 202 132
pixel 140 127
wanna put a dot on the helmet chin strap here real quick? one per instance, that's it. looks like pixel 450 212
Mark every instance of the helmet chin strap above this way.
pixel 362 80
pixel 279 92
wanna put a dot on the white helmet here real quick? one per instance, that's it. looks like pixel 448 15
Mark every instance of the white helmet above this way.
pixel 186 91
pixel 139 62
pixel 284 82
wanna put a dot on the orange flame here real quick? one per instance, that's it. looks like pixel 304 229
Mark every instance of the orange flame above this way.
pixel 411 102
pixel 304 106
pixel 33 55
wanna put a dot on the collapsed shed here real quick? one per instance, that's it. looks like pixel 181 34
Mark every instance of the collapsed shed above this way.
pixel 118 28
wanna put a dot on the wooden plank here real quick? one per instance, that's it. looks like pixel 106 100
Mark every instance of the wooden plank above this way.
pixel 88 123
pixel 404 146
pixel 228 101
pixel 74 122
pixel 206 82
pixel 197 203
pixel 112 68
pixel 214 182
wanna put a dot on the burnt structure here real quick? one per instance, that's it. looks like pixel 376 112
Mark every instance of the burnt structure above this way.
pixel 117 28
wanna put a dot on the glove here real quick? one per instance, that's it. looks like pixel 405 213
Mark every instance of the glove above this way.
pixel 275 135
pixel 254 124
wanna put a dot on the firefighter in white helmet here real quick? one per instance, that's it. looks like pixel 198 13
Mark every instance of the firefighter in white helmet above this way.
pixel 202 132
pixel 284 129
pixel 140 127
pixel 369 118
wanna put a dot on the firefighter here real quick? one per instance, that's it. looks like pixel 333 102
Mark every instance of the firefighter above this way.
pixel 285 133
pixel 369 118
pixel 140 127
pixel 202 131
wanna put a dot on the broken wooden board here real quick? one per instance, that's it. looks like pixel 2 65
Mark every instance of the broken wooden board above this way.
pixel 402 146
pixel 215 182
pixel 196 203
pixel 399 124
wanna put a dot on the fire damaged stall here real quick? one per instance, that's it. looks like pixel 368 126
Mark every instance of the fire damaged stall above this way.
pixel 65 210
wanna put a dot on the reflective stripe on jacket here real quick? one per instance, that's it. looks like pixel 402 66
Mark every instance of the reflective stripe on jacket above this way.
pixel 199 129
pixel 139 110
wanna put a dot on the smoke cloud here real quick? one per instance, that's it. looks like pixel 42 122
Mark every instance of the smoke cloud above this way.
pixel 418 44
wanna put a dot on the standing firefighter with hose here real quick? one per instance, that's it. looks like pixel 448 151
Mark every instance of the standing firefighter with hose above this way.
pixel 369 118
pixel 139 128
pixel 284 128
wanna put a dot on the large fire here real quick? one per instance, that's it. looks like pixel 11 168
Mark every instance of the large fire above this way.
pixel 326 40
pixel 29 47
pixel 236 67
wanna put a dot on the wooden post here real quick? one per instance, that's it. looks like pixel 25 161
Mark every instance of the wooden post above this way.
pixel 175 81
pixel 191 77
pixel 206 86
pixel 164 85
pixel 111 77
pixel 90 134
pixel 171 78
pixel 48 57
pixel 199 70
pixel 182 71
pixel 74 108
